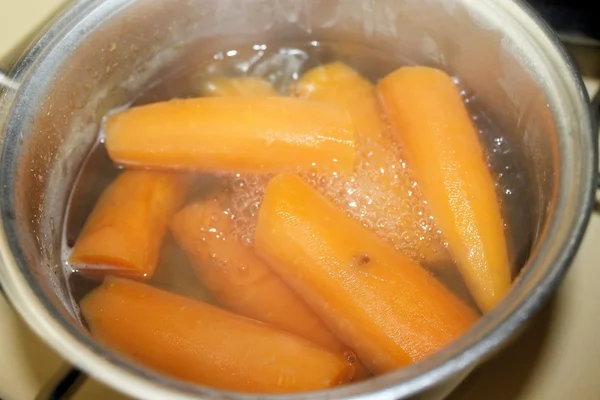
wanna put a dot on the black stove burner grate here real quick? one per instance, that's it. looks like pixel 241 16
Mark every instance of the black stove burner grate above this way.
pixel 573 17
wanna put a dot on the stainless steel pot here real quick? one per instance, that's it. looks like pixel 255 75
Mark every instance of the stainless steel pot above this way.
pixel 100 54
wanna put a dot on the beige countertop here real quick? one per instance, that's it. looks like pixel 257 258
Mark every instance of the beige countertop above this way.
pixel 558 357
pixel 20 20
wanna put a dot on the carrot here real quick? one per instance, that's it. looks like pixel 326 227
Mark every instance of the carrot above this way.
pixel 123 234
pixel 239 280
pixel 248 86
pixel 233 134
pixel 203 344
pixel 391 311
pixel 433 124
pixel 338 84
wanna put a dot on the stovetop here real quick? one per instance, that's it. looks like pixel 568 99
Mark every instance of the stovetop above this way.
pixel 557 357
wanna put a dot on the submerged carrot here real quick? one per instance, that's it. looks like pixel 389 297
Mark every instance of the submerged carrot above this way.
pixel 433 124
pixel 123 234
pixel 378 302
pixel 239 280
pixel 248 86
pixel 236 134
pixel 338 84
pixel 200 343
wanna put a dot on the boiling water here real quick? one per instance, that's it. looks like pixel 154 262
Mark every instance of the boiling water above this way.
pixel 405 220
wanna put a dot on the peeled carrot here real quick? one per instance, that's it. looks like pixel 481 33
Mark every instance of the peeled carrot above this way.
pixel 200 343
pixel 239 280
pixel 235 134
pixel 390 310
pixel 124 232
pixel 442 146
pixel 248 86
pixel 338 84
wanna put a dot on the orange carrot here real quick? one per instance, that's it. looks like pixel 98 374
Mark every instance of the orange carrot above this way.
pixel 338 84
pixel 124 232
pixel 388 309
pixel 243 87
pixel 235 134
pixel 442 146
pixel 239 280
pixel 200 343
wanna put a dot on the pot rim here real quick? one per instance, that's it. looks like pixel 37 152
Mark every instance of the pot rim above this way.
pixel 490 332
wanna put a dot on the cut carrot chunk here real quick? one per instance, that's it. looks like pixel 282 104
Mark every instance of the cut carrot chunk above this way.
pixel 390 310
pixel 237 87
pixel 124 232
pixel 239 280
pixel 200 343
pixel 442 146
pixel 235 134
pixel 338 84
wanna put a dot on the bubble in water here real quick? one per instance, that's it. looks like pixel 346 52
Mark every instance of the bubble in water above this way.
pixel 247 192
pixel 385 200
pixel 350 357
pixel 281 69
